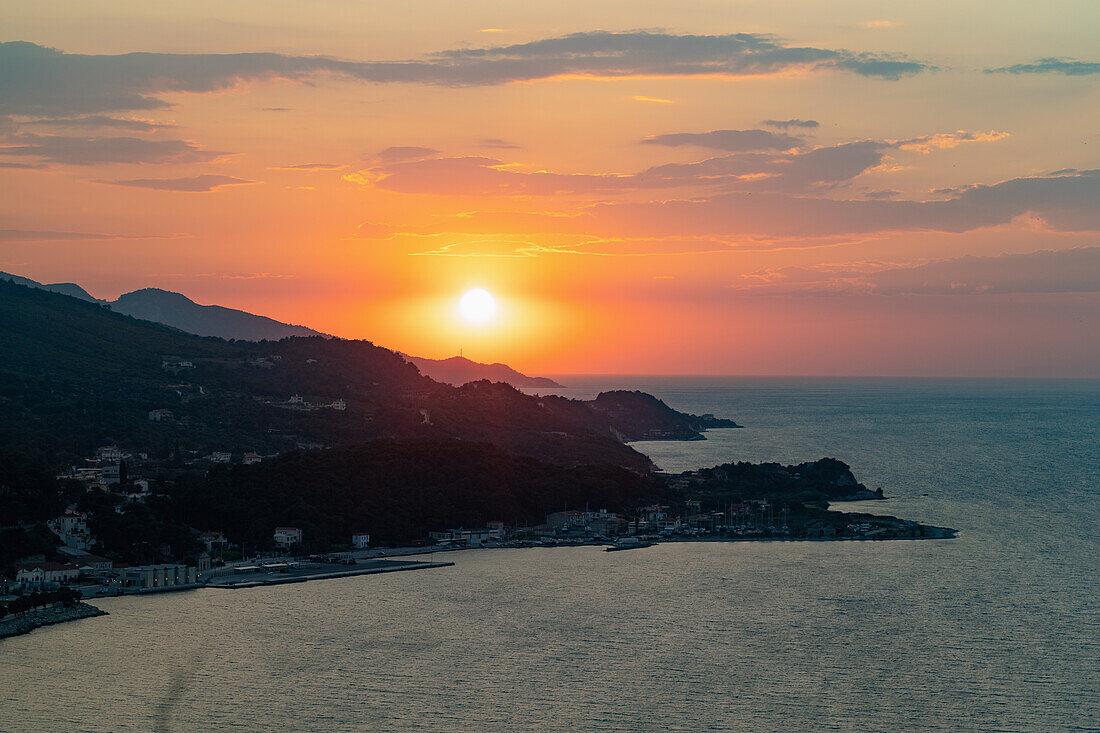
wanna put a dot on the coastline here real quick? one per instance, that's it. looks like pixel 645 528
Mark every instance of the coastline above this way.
pixel 27 622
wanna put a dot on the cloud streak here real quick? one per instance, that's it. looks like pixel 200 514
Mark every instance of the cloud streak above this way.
pixel 787 124
pixel 1064 271
pixel 40 81
pixel 1065 67
pixel 190 184
pixel 100 150
pixel 38 235
pixel 729 140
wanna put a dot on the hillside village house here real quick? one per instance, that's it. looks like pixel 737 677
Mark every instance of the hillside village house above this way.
pixel 214 541
pixel 601 522
pixel 73 530
pixel 287 536
pixel 161 414
pixel 249 458
pixel 360 540
pixel 109 454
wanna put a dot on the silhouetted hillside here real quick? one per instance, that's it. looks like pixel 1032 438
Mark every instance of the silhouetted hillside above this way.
pixel 71 289
pixel 397 490
pixel 77 375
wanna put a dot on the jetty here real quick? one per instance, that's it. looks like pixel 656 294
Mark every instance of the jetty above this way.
pixel 255 576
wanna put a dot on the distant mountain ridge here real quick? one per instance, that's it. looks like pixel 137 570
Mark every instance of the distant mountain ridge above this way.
pixel 459 370
pixel 71 289
pixel 178 311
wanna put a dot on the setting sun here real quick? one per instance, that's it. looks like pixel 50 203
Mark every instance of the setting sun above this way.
pixel 477 305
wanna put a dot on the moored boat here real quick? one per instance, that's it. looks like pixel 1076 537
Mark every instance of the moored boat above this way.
pixel 628 543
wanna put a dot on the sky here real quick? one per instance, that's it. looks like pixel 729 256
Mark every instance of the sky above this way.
pixel 692 187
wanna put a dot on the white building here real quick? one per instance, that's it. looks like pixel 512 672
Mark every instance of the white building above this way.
pixel 221 457
pixel 44 573
pixel 157 576
pixel 468 537
pixel 73 530
pixel 109 454
pixel 214 541
pixel 360 540
pixel 287 536
pixel 111 474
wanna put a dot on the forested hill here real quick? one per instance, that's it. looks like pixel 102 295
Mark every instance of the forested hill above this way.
pixel 397 491
pixel 75 376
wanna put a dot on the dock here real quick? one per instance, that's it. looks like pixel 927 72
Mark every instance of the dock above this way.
pixel 301 575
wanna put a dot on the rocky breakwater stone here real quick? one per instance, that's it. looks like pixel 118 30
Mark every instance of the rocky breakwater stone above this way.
pixel 26 622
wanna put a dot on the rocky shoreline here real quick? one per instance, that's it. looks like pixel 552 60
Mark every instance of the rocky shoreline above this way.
pixel 25 623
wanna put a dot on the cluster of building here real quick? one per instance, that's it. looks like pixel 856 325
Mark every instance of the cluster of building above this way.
pixel 297 402
pixel 101 576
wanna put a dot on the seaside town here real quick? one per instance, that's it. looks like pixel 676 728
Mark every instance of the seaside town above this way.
pixel 80 568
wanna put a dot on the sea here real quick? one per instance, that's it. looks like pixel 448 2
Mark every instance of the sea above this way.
pixel 995 630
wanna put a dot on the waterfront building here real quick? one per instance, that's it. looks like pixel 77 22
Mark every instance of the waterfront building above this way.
pixel 360 540
pixel 157 576
pixel 38 574
pixel 468 537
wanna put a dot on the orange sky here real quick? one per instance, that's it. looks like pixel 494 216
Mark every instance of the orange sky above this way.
pixel 762 187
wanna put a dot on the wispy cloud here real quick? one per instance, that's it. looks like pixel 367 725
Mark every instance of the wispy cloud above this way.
pixel 653 100
pixel 729 140
pixel 945 140
pixel 406 152
pixel 39 235
pixel 497 143
pixel 98 150
pixel 753 168
pixel 871 24
pixel 190 184
pixel 36 80
pixel 309 167
pixel 1064 271
pixel 1066 67
pixel 787 124
pixel 99 122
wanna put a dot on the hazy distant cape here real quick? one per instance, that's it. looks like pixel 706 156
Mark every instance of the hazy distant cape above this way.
pixel 459 370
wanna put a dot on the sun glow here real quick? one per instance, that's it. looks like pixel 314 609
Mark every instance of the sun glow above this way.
pixel 477 305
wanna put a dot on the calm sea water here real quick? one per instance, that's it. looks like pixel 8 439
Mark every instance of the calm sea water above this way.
pixel 998 630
